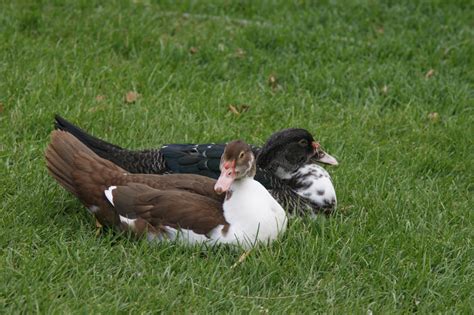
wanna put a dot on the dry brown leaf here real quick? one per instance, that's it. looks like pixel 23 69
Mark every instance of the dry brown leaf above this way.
pixel 273 81
pixel 434 117
pixel 233 109
pixel 100 98
pixel 193 50
pixel 2 108
pixel 380 30
pixel 241 258
pixel 98 228
pixel 430 73
pixel 240 53
pixel 131 97
pixel 238 109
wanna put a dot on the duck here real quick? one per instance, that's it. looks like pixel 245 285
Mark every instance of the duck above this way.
pixel 286 165
pixel 234 209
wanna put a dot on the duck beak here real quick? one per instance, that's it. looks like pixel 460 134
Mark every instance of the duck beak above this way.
pixel 321 156
pixel 226 178
pixel 325 158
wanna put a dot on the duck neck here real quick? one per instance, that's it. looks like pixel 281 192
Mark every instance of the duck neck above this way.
pixel 241 183
pixel 237 186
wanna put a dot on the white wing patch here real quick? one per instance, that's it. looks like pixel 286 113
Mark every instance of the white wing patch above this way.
pixel 109 195
pixel 127 221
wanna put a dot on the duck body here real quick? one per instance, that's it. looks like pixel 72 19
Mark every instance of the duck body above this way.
pixel 280 165
pixel 254 214
pixel 173 207
pixel 251 215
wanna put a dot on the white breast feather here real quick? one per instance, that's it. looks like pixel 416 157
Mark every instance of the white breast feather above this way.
pixel 317 184
pixel 253 215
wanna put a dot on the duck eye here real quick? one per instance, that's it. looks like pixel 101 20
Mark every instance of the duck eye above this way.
pixel 303 142
pixel 241 155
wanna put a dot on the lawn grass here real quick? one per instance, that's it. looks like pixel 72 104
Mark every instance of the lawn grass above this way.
pixel 356 75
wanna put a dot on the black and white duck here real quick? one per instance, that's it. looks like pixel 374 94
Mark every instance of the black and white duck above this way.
pixel 285 165
pixel 174 207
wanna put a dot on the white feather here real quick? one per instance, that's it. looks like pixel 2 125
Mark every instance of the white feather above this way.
pixel 109 195
pixel 254 216
pixel 127 221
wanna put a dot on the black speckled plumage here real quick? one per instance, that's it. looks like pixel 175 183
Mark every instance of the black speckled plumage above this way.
pixel 278 153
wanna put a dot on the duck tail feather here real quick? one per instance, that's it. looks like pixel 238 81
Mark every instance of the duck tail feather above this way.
pixel 97 145
pixel 66 156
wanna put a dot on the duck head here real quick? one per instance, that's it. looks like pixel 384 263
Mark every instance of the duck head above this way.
pixel 237 162
pixel 289 149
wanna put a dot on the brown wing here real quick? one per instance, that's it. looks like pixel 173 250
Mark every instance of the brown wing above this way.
pixel 182 200
pixel 197 184
pixel 174 208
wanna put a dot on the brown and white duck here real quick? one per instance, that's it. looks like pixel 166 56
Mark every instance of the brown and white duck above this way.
pixel 178 207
